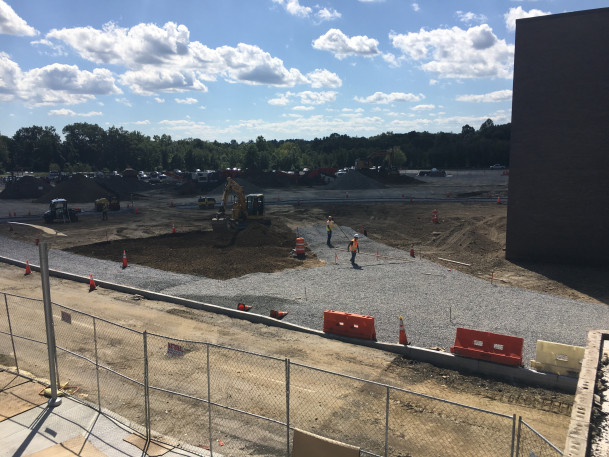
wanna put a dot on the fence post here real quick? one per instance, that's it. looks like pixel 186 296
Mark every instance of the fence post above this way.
pixel 211 441
pixel 387 424
pixel 146 392
pixel 10 330
pixel 287 406
pixel 48 319
pixel 518 436
pixel 97 364
pixel 513 434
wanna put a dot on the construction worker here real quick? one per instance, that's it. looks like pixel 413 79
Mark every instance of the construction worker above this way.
pixel 105 211
pixel 329 228
pixel 353 247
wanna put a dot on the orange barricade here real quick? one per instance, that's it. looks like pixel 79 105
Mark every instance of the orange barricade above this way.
pixel 347 324
pixel 494 347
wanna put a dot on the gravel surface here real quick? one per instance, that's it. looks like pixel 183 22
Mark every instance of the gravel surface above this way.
pixel 432 299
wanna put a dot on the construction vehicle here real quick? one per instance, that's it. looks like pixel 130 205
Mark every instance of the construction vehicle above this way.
pixel 372 162
pixel 245 208
pixel 59 211
pixel 112 203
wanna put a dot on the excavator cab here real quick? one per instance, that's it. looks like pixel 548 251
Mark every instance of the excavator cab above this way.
pixel 255 206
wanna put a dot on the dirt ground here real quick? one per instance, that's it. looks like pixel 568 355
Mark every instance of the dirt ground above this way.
pixel 471 235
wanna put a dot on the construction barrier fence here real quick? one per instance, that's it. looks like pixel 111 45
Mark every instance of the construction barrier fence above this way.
pixel 211 399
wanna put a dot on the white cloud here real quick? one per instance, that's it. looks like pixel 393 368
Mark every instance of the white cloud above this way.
pixel 12 24
pixel 303 108
pixel 382 98
pixel 518 13
pixel 187 101
pixel 124 101
pixel 163 59
pixel 324 78
pixel 294 8
pixel 281 100
pixel 457 53
pixel 423 107
pixel 69 112
pixel 144 122
pixel 53 84
pixel 326 14
pixel 342 46
pixel 306 97
pixel 497 96
pixel 415 7
pixel 469 17
pixel 159 100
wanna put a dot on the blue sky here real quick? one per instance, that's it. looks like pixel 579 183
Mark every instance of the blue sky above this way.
pixel 283 69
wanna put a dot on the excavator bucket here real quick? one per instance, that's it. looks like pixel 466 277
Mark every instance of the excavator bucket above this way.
pixel 220 224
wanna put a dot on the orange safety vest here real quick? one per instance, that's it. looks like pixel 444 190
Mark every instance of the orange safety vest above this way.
pixel 353 245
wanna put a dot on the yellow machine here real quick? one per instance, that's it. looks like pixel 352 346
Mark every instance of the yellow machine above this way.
pixel 245 207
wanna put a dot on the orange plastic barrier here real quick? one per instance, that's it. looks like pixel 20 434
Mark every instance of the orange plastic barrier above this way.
pixel 347 324
pixel 494 347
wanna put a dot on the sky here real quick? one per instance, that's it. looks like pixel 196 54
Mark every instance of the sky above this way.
pixel 283 69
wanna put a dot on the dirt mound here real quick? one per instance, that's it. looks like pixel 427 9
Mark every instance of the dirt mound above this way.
pixel 248 187
pixel 26 187
pixel 76 189
pixel 258 248
pixel 354 180
pixel 122 187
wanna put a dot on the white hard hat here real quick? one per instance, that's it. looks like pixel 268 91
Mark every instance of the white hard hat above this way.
pixel 356 236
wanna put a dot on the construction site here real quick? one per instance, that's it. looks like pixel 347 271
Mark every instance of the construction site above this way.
pixel 432 250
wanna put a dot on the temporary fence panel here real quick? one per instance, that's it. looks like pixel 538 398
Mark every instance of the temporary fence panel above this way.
pixel 424 425
pixel 76 355
pixel 248 397
pixel 177 376
pixel 529 443
pixel 29 334
pixel 343 408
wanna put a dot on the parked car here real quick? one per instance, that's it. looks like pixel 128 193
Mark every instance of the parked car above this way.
pixel 497 166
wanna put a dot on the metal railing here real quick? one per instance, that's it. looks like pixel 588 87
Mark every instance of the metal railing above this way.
pixel 216 399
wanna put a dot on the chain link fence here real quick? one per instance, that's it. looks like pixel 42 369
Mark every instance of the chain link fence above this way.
pixel 223 401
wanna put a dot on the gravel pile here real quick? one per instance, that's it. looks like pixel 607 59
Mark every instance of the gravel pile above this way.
pixel 353 180
pixel 434 300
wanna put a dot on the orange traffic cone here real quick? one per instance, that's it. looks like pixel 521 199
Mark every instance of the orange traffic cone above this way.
pixel 244 307
pixel 412 251
pixel 499 200
pixel 124 260
pixel 10 228
pixel 403 339
pixel 91 284
pixel 173 228
pixel 28 270
pixel 278 314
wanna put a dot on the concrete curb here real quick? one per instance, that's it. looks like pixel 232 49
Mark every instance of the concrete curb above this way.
pixel 437 358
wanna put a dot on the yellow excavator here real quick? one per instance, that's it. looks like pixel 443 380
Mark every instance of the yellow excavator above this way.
pixel 245 207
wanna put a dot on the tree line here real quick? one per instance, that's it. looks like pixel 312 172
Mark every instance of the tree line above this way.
pixel 88 147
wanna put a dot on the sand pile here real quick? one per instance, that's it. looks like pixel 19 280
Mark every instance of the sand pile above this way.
pixel 26 187
pixel 354 180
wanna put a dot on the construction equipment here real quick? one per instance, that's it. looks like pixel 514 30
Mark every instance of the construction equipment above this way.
pixel 58 210
pixel 245 208
pixel 372 162
pixel 112 203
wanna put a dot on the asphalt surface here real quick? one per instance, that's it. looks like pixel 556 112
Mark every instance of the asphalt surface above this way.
pixel 433 299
